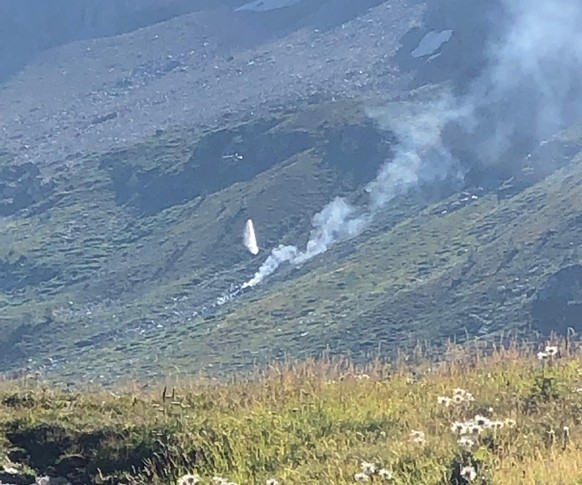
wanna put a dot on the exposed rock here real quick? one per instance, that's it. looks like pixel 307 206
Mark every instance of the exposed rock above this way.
pixel 15 477
pixel 46 480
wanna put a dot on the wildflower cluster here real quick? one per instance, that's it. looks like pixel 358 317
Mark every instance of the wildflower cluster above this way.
pixel 192 479
pixel 469 431
pixel 549 353
pixel 371 471
pixel 189 479
pixel 479 424
pixel 459 397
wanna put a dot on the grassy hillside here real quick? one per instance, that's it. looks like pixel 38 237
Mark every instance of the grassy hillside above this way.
pixel 134 238
pixel 418 274
pixel 509 417
pixel 107 259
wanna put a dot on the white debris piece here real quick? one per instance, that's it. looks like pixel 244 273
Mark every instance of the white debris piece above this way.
pixel 250 238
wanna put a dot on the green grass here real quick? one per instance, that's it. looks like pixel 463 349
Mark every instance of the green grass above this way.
pixel 313 422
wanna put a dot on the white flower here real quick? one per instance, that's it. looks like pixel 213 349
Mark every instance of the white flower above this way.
pixel 481 421
pixel 368 468
pixel 361 477
pixel 219 480
pixel 466 442
pixel 417 437
pixel 458 398
pixel 542 356
pixel 468 473
pixel 444 401
pixel 459 428
pixel 272 481
pixel 385 474
pixel 475 429
pixel 460 395
pixel 551 350
pixel 188 480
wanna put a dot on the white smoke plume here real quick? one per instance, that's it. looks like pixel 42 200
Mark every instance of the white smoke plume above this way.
pixel 336 222
pixel 279 255
pixel 530 89
pixel 420 155
pixel 250 238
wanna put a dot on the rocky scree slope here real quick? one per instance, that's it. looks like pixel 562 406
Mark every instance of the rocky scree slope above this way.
pixel 195 69
pixel 29 28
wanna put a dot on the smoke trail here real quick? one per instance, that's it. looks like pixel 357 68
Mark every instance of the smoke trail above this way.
pixel 337 221
pixel 420 155
pixel 279 255
pixel 530 89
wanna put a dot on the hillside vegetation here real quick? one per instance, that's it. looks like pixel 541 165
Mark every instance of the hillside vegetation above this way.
pixel 106 262
pixel 507 416
pixel 123 242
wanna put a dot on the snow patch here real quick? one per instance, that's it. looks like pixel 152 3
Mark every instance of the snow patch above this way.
pixel 431 42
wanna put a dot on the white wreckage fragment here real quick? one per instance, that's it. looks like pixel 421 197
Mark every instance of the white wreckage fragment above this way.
pixel 250 238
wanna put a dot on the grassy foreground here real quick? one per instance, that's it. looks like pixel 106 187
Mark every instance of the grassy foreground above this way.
pixel 512 416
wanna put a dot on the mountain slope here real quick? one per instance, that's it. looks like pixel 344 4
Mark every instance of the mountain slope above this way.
pixel 196 69
pixel 131 286
pixel 115 239
pixel 129 165
pixel 476 271
pixel 29 28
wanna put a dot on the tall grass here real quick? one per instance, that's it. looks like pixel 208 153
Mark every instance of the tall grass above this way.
pixel 324 421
